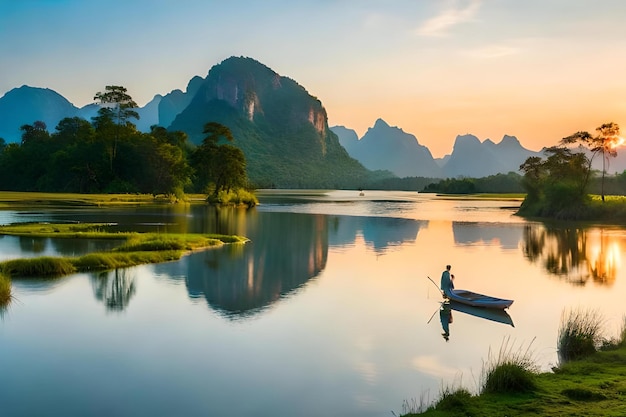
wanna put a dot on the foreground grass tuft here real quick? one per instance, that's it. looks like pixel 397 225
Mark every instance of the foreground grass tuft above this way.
pixel 580 334
pixel 592 385
pixel 5 290
pixel 510 371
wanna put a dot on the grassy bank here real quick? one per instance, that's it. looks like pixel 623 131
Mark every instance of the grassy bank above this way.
pixel 136 249
pixel 15 199
pixel 592 208
pixel 593 384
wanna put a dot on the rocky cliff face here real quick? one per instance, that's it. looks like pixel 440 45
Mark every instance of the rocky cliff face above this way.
pixel 261 95
pixel 282 129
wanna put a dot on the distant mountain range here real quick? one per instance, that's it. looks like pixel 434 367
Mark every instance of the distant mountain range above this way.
pixel 284 131
pixel 384 147
pixel 25 105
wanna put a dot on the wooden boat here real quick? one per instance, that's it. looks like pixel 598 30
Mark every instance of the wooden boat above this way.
pixel 492 314
pixel 478 300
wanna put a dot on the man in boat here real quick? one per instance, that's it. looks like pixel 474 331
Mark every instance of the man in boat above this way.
pixel 446 281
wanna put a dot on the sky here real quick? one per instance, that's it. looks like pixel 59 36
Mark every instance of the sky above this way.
pixel 539 70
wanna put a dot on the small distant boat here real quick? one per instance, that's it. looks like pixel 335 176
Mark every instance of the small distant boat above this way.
pixel 478 300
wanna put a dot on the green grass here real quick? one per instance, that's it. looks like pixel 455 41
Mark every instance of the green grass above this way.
pixel 510 371
pixel 580 334
pixel 239 197
pixel 5 290
pixel 137 249
pixel 592 385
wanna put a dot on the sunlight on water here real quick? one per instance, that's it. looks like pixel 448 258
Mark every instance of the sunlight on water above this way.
pixel 328 310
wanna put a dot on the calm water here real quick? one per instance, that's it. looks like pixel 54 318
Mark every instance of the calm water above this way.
pixel 326 312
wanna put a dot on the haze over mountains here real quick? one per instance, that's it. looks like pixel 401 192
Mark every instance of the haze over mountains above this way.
pixel 283 131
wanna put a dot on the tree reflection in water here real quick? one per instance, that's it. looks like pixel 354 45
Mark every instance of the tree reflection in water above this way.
pixel 114 288
pixel 575 254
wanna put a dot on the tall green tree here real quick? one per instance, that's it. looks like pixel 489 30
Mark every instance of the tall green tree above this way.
pixel 114 116
pixel 218 166
pixel 604 142
pixel 558 182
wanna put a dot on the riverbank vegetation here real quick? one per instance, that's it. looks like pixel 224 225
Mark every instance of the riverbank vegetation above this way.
pixel 558 186
pixel 589 382
pixel 109 155
pixel 5 290
pixel 136 249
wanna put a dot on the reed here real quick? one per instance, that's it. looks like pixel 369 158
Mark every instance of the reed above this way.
pixel 5 290
pixel 510 371
pixel 44 266
pixel 580 334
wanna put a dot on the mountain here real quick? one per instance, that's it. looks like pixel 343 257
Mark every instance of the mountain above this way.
pixel 148 114
pixel 282 129
pixel 389 148
pixel 173 103
pixel 25 105
pixel 471 158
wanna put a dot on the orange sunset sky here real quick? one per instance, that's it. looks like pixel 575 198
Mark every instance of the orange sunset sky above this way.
pixel 538 70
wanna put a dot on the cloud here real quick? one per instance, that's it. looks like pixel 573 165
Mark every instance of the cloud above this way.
pixel 451 16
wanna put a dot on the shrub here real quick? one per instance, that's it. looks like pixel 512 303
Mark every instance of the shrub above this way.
pixel 510 371
pixel 238 197
pixel 579 334
pixel 455 400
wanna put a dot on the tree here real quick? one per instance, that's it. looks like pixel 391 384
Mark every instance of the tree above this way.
pixel 556 183
pixel 606 141
pixel 220 167
pixel 117 104
pixel 117 109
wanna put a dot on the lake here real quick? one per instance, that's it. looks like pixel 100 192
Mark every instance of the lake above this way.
pixel 327 311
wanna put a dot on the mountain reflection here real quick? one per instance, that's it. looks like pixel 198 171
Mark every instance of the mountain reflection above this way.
pixel 114 288
pixel 575 254
pixel 285 251
pixel 471 233
pixel 379 233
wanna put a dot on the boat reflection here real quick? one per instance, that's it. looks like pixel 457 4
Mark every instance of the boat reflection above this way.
pixel 492 314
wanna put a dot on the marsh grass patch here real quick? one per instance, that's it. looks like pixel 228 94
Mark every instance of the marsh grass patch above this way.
pixel 511 370
pixel 580 333
pixel 44 266
pixel 5 290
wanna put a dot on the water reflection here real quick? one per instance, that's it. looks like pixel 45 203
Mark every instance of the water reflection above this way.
pixel 575 254
pixel 507 236
pixel 114 288
pixel 490 314
pixel 34 245
pixel 445 316
pixel 379 233
pixel 286 250
pixel 238 281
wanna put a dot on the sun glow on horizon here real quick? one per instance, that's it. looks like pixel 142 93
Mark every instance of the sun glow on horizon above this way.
pixel 617 142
